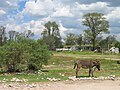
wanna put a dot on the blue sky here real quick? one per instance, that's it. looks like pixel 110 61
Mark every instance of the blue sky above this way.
pixel 21 15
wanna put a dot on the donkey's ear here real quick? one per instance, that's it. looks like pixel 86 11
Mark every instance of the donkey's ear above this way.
pixel 97 60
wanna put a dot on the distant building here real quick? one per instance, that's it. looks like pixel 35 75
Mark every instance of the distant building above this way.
pixel 114 50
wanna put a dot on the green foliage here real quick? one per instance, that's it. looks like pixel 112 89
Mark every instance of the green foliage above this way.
pixel 19 55
pixel 97 24
pixel 108 42
pixel 79 39
pixel 117 44
pixel 70 39
pixel 12 55
pixel 51 35
pixel 39 54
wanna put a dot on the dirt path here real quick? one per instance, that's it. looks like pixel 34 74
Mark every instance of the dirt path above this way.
pixel 66 85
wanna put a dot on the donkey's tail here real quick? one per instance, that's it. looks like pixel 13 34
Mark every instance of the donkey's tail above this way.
pixel 75 64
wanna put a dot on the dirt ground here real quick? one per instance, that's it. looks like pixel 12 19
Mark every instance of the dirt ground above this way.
pixel 65 85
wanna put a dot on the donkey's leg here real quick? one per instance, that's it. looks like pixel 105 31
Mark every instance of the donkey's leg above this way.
pixel 93 72
pixel 77 69
pixel 90 70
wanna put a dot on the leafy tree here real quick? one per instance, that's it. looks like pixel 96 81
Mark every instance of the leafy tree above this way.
pixel 96 23
pixel 13 56
pixel 117 44
pixel 39 54
pixel 108 42
pixel 51 35
pixel 2 35
pixel 79 39
pixel 23 54
pixel 13 35
pixel 111 39
pixel 70 39
pixel 28 33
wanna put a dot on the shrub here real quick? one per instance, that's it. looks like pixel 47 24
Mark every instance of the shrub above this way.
pixel 23 55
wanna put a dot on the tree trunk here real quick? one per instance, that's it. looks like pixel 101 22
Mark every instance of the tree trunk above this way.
pixel 93 41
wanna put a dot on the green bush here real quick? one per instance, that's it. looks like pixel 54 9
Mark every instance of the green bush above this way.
pixel 23 54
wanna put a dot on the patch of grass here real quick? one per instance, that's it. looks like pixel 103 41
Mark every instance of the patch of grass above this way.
pixel 77 52
pixel 61 66
pixel 108 67
pixel 38 77
pixel 86 54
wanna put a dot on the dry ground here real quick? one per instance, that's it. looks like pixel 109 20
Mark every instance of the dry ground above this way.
pixel 65 85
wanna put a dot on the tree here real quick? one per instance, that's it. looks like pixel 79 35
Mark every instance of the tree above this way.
pixel 2 35
pixel 117 44
pixel 28 33
pixel 23 54
pixel 14 56
pixel 51 35
pixel 96 23
pixel 13 35
pixel 108 42
pixel 39 54
pixel 70 39
pixel 79 39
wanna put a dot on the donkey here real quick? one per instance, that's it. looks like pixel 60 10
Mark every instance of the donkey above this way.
pixel 87 64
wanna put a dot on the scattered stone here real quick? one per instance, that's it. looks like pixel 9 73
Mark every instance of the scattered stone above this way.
pixel 73 78
pixel 33 86
pixel 53 79
pixel 48 85
pixel 39 72
pixel 53 63
pixel 66 80
pixel 42 78
pixel 18 80
pixel 4 86
pixel 61 74
pixel 111 77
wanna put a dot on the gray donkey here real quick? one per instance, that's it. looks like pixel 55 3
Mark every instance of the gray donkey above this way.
pixel 87 64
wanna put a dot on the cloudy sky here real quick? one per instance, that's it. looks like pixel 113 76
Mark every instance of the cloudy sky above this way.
pixel 20 15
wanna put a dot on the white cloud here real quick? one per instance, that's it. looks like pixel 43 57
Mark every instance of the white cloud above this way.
pixel 2 12
pixel 38 8
pixel 115 14
pixel 98 7
pixel 69 12
pixel 47 7
pixel 8 4
pixel 14 27
pixel 62 29
pixel 11 3
pixel 34 26
pixel 62 11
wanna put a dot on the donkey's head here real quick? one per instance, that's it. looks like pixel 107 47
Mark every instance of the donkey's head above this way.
pixel 97 64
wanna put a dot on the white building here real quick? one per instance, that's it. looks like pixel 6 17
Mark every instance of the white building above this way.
pixel 114 50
